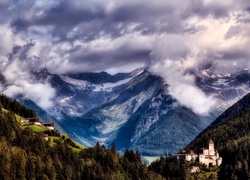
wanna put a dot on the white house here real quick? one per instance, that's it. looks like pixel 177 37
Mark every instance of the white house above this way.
pixel 49 125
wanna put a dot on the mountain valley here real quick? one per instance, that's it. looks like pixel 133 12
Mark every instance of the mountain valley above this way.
pixel 133 110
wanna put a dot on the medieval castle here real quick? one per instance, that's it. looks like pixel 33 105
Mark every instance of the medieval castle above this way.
pixel 207 156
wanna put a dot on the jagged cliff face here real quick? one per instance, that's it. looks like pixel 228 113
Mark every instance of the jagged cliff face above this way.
pixel 134 110
pixel 226 89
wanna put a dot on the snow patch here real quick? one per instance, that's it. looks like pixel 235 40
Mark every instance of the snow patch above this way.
pixel 82 84
pixel 110 86
pixel 64 100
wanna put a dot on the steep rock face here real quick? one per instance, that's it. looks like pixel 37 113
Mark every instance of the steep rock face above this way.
pixel 142 115
pixel 104 121
pixel 75 97
pixel 136 111
pixel 225 89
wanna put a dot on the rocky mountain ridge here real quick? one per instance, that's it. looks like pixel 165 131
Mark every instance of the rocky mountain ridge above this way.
pixel 134 110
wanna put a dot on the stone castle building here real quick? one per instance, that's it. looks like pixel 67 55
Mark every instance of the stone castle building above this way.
pixel 208 156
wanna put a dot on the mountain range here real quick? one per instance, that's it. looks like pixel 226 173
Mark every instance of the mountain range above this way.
pixel 133 110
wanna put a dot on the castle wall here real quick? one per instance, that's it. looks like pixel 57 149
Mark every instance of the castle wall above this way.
pixel 188 157
pixel 208 156
pixel 207 161
pixel 211 152
pixel 205 151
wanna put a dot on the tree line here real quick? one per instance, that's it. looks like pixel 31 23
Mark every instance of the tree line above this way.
pixel 15 106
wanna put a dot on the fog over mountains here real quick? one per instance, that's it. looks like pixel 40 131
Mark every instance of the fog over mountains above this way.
pixel 133 110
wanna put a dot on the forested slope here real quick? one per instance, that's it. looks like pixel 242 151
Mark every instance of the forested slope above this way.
pixel 231 135
pixel 25 155
pixel 232 139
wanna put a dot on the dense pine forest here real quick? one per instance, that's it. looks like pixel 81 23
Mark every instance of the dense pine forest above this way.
pixel 25 155
pixel 15 106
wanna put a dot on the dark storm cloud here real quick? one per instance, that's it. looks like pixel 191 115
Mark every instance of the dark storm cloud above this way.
pixel 202 9
pixel 141 12
pixel 63 15
pixel 72 20
pixel 95 21
pixel 87 22
pixel 92 21
pixel 116 57
pixel 20 52
pixel 235 54
pixel 5 3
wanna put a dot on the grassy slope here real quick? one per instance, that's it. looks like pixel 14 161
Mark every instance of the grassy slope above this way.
pixel 16 116
pixel 39 128
pixel 53 140
pixel 36 128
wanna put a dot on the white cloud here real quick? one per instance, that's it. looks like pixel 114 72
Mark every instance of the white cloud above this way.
pixel 6 39
pixel 21 82
pixel 182 86
pixel 42 94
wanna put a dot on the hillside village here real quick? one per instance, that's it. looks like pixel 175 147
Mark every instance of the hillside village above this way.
pixel 209 157
pixel 36 121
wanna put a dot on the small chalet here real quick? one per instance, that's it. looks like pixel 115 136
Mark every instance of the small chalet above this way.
pixel 49 125
pixel 35 121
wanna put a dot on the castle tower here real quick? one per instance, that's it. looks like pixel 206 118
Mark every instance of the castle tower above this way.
pixel 211 148
pixel 219 161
